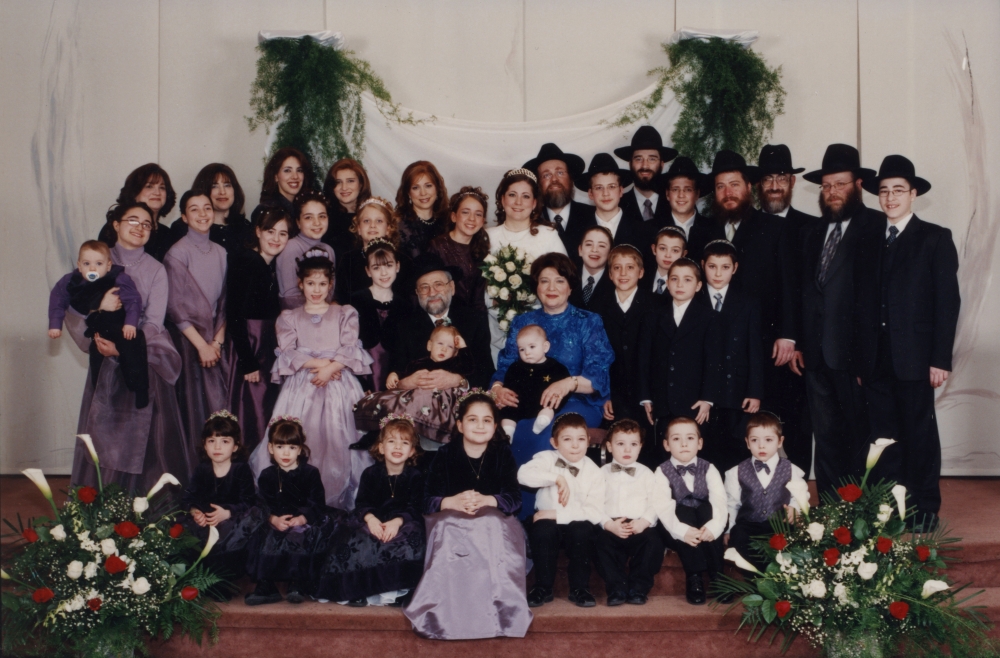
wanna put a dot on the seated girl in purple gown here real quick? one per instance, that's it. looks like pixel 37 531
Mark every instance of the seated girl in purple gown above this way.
pixel 376 555
pixel 474 570
pixel 221 494
pixel 291 493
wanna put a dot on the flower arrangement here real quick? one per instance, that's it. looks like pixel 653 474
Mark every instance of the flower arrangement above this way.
pixel 99 576
pixel 506 273
pixel 851 578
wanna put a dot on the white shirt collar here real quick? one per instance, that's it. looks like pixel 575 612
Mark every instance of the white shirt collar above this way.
pixel 712 292
pixel 684 225
pixel 435 319
pixel 586 275
pixel 562 212
pixel 627 304
pixel 783 213
pixel 663 278
pixel 641 200
pixel 900 225
pixel 679 310
pixel 612 224
pixel 693 462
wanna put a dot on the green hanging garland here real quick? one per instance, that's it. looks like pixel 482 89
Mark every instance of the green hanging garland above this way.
pixel 313 93
pixel 728 95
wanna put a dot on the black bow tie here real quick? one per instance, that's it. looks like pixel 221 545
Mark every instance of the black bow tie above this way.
pixel 759 465
pixel 685 468
pixel 573 470
pixel 629 470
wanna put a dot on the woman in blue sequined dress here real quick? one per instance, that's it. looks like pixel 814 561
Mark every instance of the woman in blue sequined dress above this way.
pixel 578 341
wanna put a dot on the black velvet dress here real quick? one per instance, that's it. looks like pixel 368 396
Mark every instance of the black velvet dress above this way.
pixel 358 565
pixel 376 320
pixel 351 275
pixel 338 233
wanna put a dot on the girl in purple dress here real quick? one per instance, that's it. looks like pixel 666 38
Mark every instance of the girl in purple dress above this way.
pixel 312 220
pixel 379 307
pixel 196 307
pixel 136 446
pixel 466 245
pixel 474 570
pixel 252 307
pixel 319 359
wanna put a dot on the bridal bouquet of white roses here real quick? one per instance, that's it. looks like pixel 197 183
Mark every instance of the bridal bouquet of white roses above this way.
pixel 850 577
pixel 506 273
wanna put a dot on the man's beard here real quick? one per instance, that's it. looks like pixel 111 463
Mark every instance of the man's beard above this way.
pixel 640 184
pixel 737 214
pixel 852 204
pixel 437 304
pixel 774 206
pixel 556 196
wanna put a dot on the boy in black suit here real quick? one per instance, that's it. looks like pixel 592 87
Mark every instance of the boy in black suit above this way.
pixel 684 185
pixel 742 360
pixel 907 302
pixel 594 247
pixel 668 245
pixel 679 346
pixel 604 183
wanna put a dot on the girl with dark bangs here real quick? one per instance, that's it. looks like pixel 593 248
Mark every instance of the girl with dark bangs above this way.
pixel 311 214
pixel 379 306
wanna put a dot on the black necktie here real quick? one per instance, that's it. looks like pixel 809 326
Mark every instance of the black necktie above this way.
pixel 718 301
pixel 659 286
pixel 829 250
pixel 559 220
pixel 759 465
pixel 588 290
pixel 682 469
pixel 647 210
pixel 573 470
pixel 893 234
pixel 617 468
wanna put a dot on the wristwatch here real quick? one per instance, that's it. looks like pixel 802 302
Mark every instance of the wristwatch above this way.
pixel 463 383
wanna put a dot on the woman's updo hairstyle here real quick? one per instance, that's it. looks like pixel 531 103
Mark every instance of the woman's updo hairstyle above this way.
pixel 315 260
pixel 560 263
pixel 288 432
pixel 478 396
pixel 521 176
pixel 480 244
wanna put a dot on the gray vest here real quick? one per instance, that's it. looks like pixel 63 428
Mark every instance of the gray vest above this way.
pixel 757 504
pixel 682 494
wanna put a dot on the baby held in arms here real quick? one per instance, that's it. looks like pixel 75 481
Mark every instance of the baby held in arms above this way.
pixel 529 376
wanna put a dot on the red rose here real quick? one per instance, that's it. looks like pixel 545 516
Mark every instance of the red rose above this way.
pixel 94 604
pixel 86 494
pixel 176 530
pixel 42 595
pixel 831 556
pixel 127 530
pixel 850 492
pixel 923 553
pixel 883 545
pixel 30 535
pixel 842 535
pixel 782 608
pixel 899 609
pixel 114 564
pixel 189 593
pixel 778 542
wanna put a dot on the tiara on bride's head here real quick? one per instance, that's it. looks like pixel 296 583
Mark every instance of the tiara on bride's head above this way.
pixel 522 172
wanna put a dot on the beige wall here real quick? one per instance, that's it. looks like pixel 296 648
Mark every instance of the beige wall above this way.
pixel 94 88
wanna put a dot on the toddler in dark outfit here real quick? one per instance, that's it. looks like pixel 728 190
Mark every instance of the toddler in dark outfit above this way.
pixel 84 289
pixel 447 352
pixel 529 376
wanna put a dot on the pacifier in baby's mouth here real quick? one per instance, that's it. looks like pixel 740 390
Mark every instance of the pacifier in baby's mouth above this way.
pixel 92 276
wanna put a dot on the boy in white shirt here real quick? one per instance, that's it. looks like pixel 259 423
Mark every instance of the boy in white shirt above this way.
pixel 669 245
pixel 691 505
pixel 629 550
pixel 569 503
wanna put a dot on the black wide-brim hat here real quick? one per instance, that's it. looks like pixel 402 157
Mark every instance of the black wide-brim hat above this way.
pixel 427 262
pixel 776 159
pixel 726 160
pixel 603 163
pixel 574 163
pixel 838 158
pixel 684 166
pixel 647 137
pixel 896 166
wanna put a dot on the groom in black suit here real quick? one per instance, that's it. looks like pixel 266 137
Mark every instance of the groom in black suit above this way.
pixel 906 313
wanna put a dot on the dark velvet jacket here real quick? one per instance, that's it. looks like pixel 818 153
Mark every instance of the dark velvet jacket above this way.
pixel 251 294
pixel 295 492
pixel 453 472
pixel 373 330
pixel 390 496
pixel 412 332
pixel 234 491
pixel 338 233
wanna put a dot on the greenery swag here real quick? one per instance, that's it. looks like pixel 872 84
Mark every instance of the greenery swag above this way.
pixel 728 95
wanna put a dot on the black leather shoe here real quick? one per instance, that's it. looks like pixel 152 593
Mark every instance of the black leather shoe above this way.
pixel 295 594
pixel 539 596
pixel 695 589
pixel 357 603
pixel 635 598
pixel 264 592
pixel 582 598
pixel 616 598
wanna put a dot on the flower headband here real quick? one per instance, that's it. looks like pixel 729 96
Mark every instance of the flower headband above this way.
pixel 521 172
pixel 468 394
pixel 391 417
pixel 379 243
pixel 479 196
pixel 224 413
pixel 278 419
pixel 375 200
pixel 316 253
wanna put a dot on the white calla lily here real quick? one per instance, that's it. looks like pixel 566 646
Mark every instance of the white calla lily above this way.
pixel 875 451
pixel 734 556
pixel 36 476
pixel 899 493
pixel 213 537
pixel 140 505
pixel 4 575
pixel 800 492
pixel 89 442
pixel 932 587
pixel 165 479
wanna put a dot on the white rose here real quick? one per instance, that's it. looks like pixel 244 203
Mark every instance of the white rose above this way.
pixel 108 546
pixel 515 280
pixel 496 269
pixel 90 570
pixel 522 295
pixel 783 559
pixel 816 531
pixel 503 325
pixel 840 592
pixel 932 587
pixel 504 294
pixel 511 267
pixel 815 589
pixel 866 570
pixel 58 533
pixel 884 512
pixel 490 258
pixel 140 505
pixel 140 586
pixel 493 291
pixel 526 269
pixel 75 569
pixel 501 276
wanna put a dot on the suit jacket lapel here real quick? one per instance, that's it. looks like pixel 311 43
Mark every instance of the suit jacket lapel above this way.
pixel 688 321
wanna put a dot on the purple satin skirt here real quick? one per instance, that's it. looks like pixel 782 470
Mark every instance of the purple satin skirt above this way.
pixel 200 391
pixel 253 403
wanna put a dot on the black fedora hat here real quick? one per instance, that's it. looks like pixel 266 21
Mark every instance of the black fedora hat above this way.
pixel 603 163
pixel 684 166
pixel 776 159
pixel 428 262
pixel 838 158
pixel 549 151
pixel 726 160
pixel 647 137
pixel 896 166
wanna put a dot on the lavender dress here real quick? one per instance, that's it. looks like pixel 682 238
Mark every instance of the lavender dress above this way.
pixel 288 280
pixel 196 269
pixel 327 413
pixel 136 446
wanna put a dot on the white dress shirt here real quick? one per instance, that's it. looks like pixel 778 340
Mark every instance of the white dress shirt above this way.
pixel 562 212
pixel 843 229
pixel 679 311
pixel 654 198
pixel 900 225
pixel 627 304
pixel 628 496
pixel 666 504
pixel 685 225
pixel 586 275
pixel 734 491
pixel 586 489
pixel 612 224
pixel 712 292
pixel 783 213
